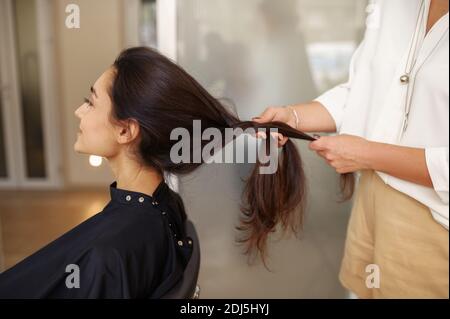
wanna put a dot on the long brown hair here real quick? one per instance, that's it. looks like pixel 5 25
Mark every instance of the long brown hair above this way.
pixel 161 96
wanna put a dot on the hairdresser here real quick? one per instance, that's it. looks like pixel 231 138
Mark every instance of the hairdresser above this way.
pixel 392 125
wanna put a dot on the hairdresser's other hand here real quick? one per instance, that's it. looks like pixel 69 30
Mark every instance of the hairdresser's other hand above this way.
pixel 276 114
pixel 345 153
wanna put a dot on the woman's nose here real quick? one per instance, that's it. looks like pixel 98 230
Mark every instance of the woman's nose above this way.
pixel 78 112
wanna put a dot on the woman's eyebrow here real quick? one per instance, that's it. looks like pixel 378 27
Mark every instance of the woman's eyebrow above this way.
pixel 93 91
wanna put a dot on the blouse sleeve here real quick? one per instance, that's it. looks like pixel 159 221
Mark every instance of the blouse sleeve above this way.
pixel 334 99
pixel 438 166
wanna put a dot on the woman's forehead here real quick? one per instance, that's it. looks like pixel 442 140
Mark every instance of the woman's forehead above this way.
pixel 103 84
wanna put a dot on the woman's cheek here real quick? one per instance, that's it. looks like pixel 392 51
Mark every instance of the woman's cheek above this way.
pixel 105 145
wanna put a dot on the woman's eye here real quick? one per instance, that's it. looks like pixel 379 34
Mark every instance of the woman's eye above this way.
pixel 87 101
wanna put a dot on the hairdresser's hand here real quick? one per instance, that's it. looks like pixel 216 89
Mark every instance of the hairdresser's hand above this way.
pixel 345 153
pixel 276 114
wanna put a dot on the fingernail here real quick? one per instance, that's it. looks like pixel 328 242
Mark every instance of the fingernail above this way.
pixel 317 136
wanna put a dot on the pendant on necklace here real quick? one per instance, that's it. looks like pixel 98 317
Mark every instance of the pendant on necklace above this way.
pixel 404 79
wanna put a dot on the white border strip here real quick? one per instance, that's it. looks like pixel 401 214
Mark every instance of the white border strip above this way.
pixel 167 27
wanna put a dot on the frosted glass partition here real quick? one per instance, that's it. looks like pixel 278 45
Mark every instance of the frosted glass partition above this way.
pixel 267 52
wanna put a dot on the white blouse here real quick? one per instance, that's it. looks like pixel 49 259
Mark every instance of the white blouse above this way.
pixel 373 103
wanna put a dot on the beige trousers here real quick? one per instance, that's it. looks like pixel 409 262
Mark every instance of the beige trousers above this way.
pixel 394 247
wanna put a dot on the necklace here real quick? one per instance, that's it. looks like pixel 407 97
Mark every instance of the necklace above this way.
pixel 405 79
pixel 412 54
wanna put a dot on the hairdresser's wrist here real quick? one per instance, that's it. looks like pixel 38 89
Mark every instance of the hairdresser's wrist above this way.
pixel 293 116
pixel 366 155
pixel 314 117
pixel 377 154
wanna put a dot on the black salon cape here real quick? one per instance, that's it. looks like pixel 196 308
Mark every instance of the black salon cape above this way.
pixel 134 248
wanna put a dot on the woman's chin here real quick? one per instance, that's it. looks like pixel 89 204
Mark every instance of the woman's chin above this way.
pixel 77 148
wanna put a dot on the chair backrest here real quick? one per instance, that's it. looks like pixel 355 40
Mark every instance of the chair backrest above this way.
pixel 187 286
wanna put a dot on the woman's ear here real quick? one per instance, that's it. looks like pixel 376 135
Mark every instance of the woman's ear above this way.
pixel 128 131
